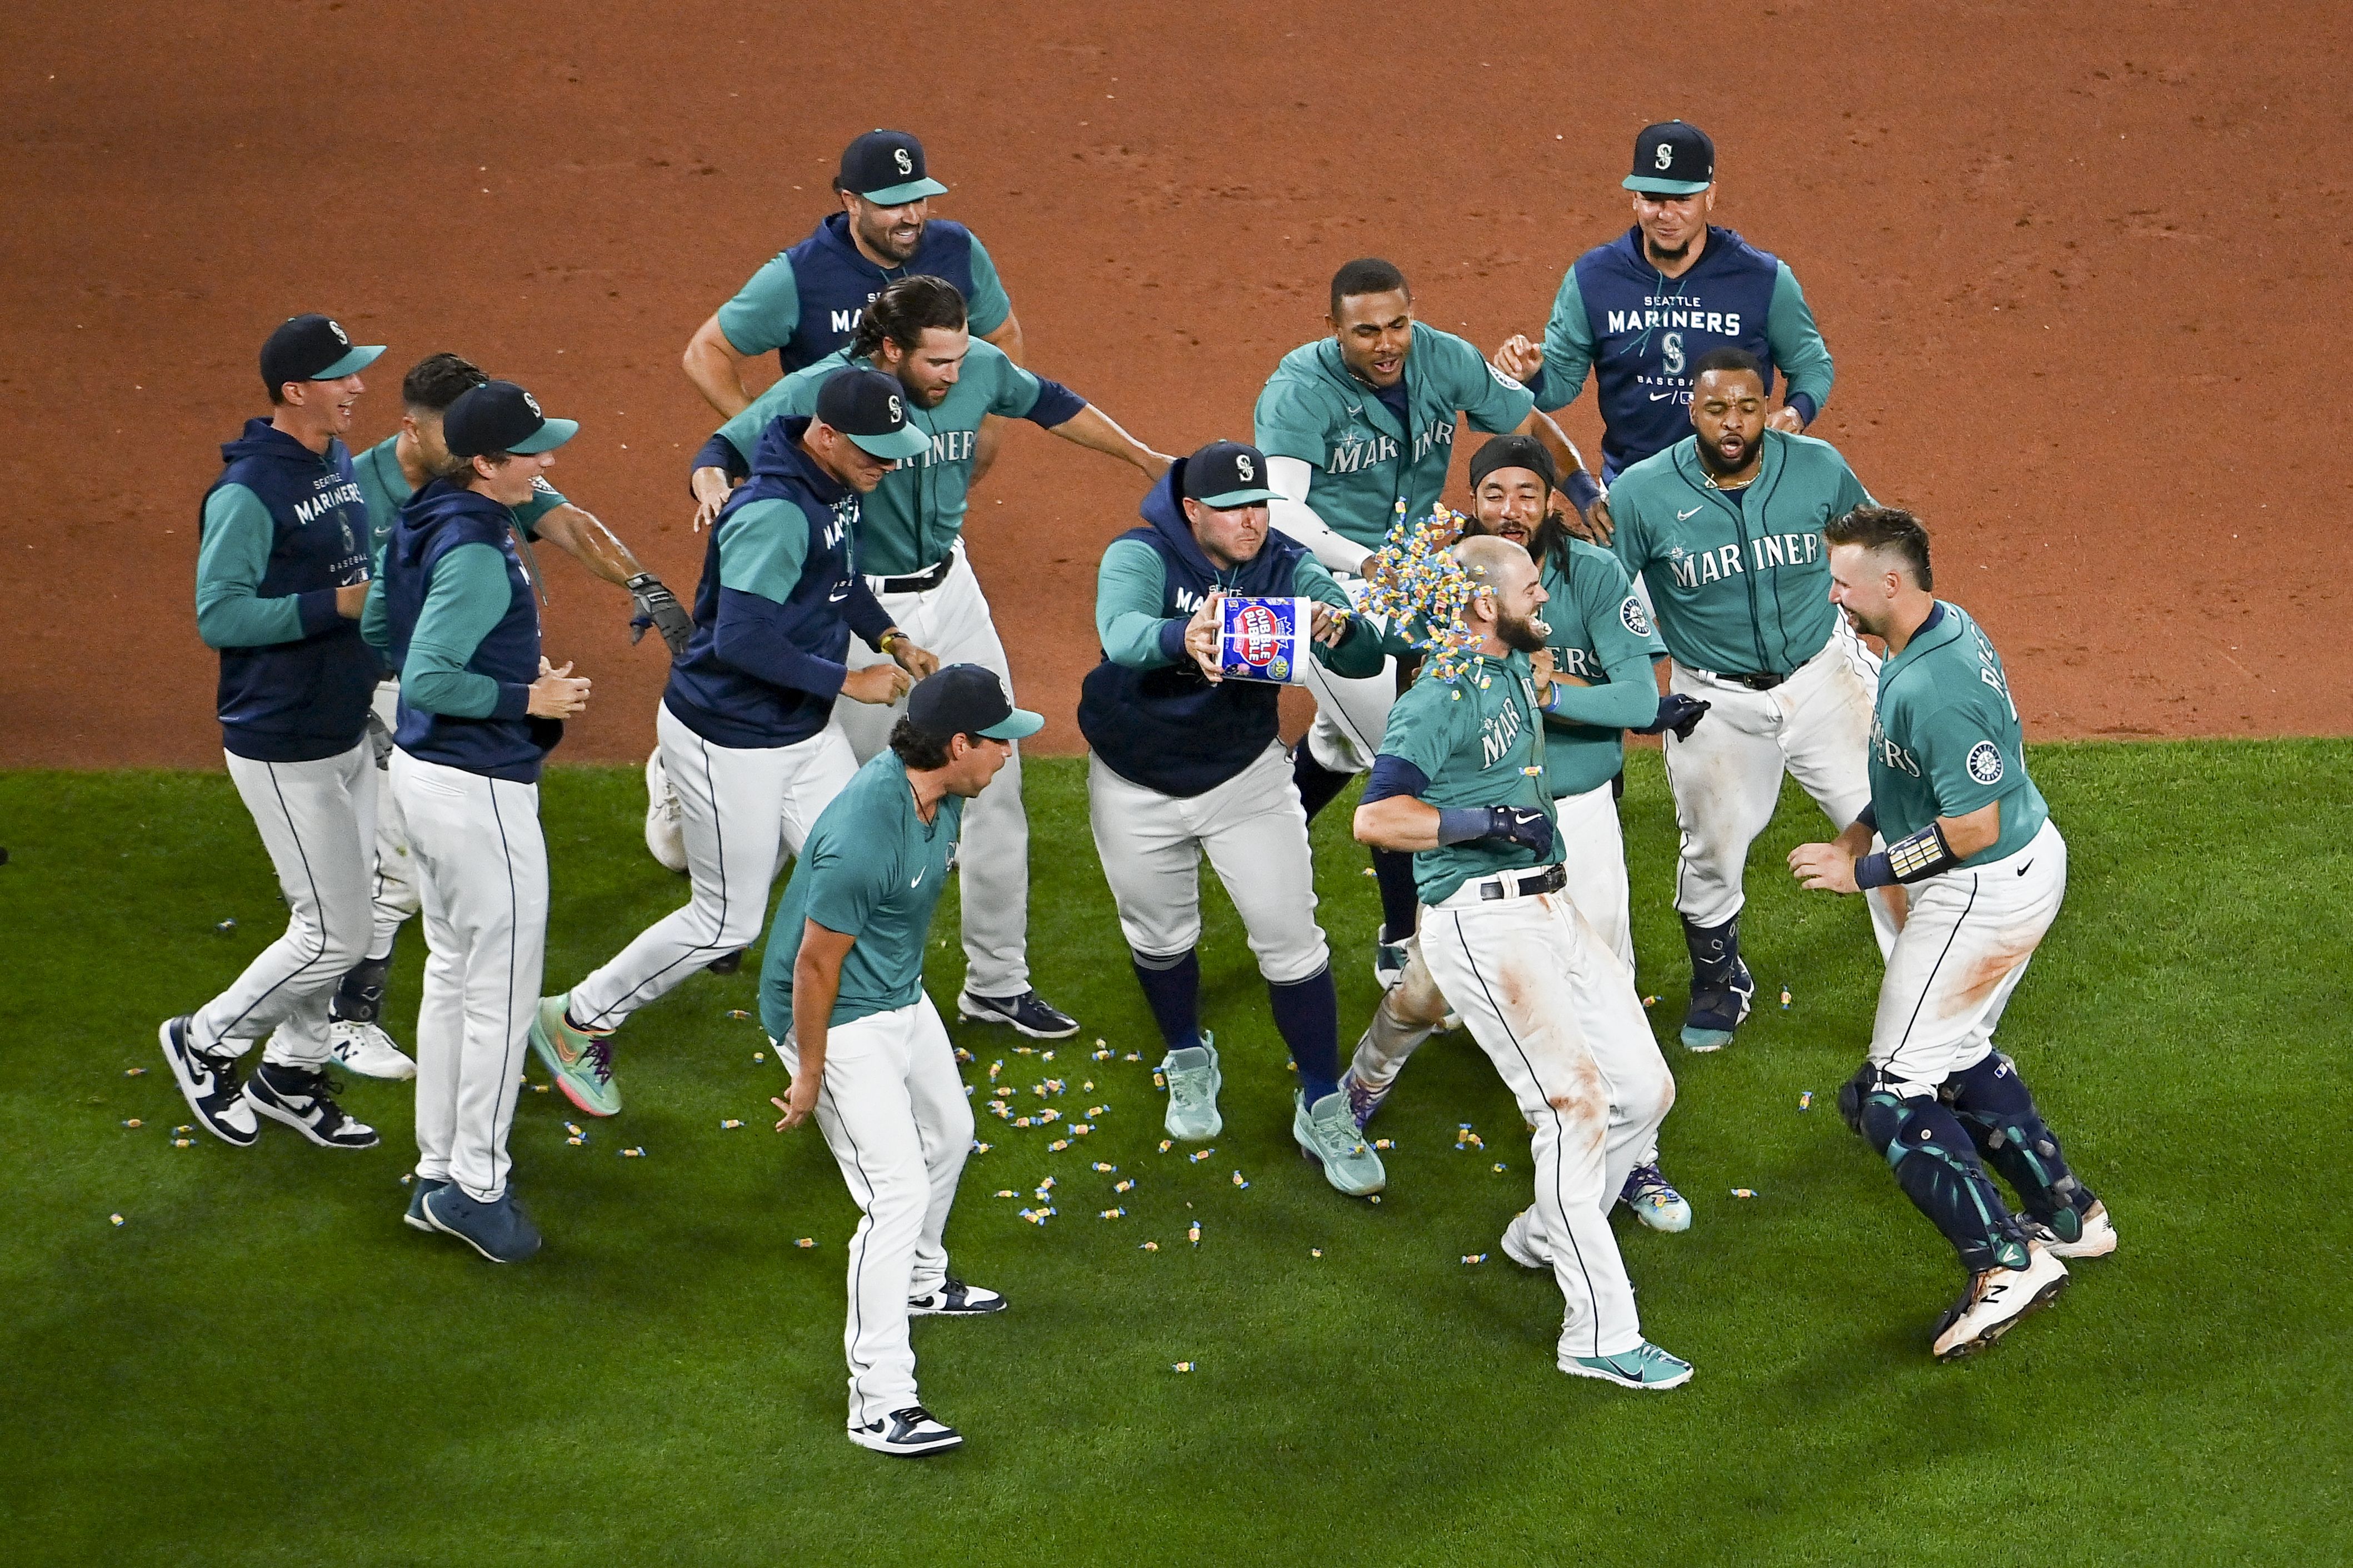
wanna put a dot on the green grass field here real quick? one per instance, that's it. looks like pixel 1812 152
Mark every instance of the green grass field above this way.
pixel 262 1365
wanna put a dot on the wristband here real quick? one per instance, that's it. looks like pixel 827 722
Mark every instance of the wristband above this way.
pixel 1551 704
pixel 1461 824
pixel 1869 815
pixel 882 644
pixel 1582 489
pixel 1910 859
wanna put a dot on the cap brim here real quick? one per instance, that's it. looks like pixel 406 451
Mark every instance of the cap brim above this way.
pixel 551 435
pixel 900 195
pixel 1017 725
pixel 900 444
pixel 1644 182
pixel 1239 498
pixel 362 356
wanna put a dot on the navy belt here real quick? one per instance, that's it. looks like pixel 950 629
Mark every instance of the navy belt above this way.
pixel 1551 880
pixel 1754 682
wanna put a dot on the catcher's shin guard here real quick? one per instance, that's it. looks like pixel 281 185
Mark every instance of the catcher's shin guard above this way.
pixel 1994 1103
pixel 1937 1168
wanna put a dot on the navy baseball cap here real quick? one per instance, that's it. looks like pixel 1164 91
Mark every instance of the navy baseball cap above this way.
pixel 499 416
pixel 886 167
pixel 1226 474
pixel 969 699
pixel 313 348
pixel 1514 452
pixel 1672 159
pixel 870 408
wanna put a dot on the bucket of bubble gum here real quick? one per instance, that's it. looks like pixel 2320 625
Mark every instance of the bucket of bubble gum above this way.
pixel 1265 639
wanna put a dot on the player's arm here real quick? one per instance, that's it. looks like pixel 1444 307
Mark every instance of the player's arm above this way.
pixel 817 985
pixel 717 367
pixel 230 611
pixel 1846 865
pixel 467 598
pixel 1392 817
pixel 1130 585
pixel 1799 352
pixel 1290 426
pixel 725 460
pixel 761 554
pixel 991 313
pixel 581 535
pixel 1347 644
pixel 1096 431
pixel 759 319
pixel 1554 374
pixel 1578 482
pixel 1626 699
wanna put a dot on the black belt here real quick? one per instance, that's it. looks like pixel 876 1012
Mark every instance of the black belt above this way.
pixel 922 581
pixel 1551 880
pixel 1754 682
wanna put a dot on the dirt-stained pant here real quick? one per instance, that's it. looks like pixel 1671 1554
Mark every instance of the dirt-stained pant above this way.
pixel 1964 949
pixel 1556 1012
pixel 993 860
pixel 1815 726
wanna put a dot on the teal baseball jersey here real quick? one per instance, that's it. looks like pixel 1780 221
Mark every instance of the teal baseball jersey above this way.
pixel 1599 634
pixel 1740 579
pixel 1478 742
pixel 1365 459
pixel 1946 740
pixel 871 869
pixel 387 490
pixel 915 516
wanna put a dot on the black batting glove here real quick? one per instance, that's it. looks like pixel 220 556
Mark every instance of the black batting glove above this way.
pixel 659 607
pixel 1676 712
pixel 1521 824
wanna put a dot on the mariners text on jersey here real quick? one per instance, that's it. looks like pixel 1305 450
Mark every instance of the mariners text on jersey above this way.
pixel 1766 551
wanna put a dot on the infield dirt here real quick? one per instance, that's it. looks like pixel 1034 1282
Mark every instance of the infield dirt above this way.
pixel 2078 270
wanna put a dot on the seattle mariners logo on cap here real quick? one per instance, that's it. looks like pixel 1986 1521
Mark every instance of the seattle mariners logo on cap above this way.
pixel 1985 762
pixel 1672 159
pixel 337 328
pixel 532 403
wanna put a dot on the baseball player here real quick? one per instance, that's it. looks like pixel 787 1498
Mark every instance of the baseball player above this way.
pixel 909 542
pixel 1725 526
pixel 389 473
pixel 747 734
pixel 1598 650
pixel 1459 782
pixel 1969 834
pixel 1641 311
pixel 480 710
pixel 842 987
pixel 281 580
pixel 1186 762
pixel 807 303
pixel 1352 425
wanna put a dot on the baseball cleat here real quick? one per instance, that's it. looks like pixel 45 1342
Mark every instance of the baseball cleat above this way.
pixel 302 1098
pixel 209 1082
pixel 1388 961
pixel 1654 1201
pixel 421 1189
pixel 1364 1098
pixel 1644 1366
pixel 2095 1236
pixel 1995 1299
pixel 1717 1010
pixel 581 1063
pixel 1524 1242
pixel 955 1299
pixel 907 1433
pixel 1327 1133
pixel 499 1230
pixel 664 841
pixel 1028 1013
pixel 725 963
pixel 1193 1082
pixel 367 1050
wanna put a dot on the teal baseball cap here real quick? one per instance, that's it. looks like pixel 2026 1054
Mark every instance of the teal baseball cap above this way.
pixel 499 416
pixel 1672 159
pixel 1227 474
pixel 313 348
pixel 886 167
pixel 969 699
pixel 870 408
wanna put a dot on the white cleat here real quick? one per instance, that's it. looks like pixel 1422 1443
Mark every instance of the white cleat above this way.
pixel 367 1050
pixel 1995 1299
pixel 663 839
pixel 2098 1237
pixel 907 1433
pixel 1524 1244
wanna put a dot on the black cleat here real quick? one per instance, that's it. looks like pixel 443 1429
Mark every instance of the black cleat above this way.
pixel 1030 1013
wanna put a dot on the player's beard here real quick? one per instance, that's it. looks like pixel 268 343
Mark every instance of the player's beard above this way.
pixel 1524 633
pixel 1712 460
pixel 878 239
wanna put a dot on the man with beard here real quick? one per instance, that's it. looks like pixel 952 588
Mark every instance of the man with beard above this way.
pixel 1726 527
pixel 1459 782
pixel 1598 650
pixel 910 546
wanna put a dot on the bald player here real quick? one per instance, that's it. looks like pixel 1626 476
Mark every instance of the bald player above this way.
pixel 1353 424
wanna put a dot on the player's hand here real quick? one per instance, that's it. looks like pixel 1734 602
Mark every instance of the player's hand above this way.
pixel 1785 420
pixel 1824 867
pixel 1155 465
pixel 659 608
pixel 1596 526
pixel 1326 624
pixel 880 684
pixel 711 488
pixel 557 693
pixel 918 662
pixel 350 599
pixel 802 1102
pixel 1518 358
pixel 1677 712
pixel 1546 671
pixel 1201 635
pixel 1521 824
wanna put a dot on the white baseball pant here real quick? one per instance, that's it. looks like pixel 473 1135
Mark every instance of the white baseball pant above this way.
pixel 953 621
pixel 1350 714
pixel 893 1112
pixel 317 819
pixel 483 875
pixel 1556 1012
pixel 1964 948
pixel 735 807
pixel 1727 778
pixel 395 891
pixel 1254 832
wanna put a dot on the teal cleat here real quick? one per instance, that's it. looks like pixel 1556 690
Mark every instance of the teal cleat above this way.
pixel 1328 1134
pixel 1193 1084
pixel 1644 1366
pixel 1655 1199
pixel 580 1062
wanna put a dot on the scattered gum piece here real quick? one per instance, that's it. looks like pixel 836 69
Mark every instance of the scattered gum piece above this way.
pixel 1744 1191
pixel 1475 1257
pixel 806 1241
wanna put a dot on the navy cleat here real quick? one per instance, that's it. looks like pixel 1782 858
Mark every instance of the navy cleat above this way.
pixel 907 1433
pixel 955 1299
pixel 208 1081
pixel 1720 989
pixel 304 1099
pixel 499 1231
pixel 421 1189
pixel 1028 1013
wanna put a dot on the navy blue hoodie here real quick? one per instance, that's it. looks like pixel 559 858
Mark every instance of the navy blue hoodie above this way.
pixel 301 700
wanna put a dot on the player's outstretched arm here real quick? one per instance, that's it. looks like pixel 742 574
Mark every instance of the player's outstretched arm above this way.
pixel 1291 478
pixel 1006 336
pixel 581 535
pixel 1096 431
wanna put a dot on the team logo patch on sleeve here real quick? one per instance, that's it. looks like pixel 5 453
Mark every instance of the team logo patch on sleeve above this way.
pixel 1631 613
pixel 1985 762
